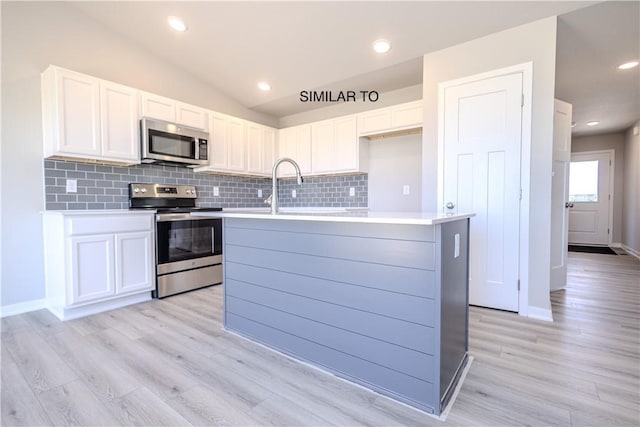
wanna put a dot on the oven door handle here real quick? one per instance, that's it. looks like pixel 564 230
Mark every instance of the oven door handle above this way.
pixel 213 240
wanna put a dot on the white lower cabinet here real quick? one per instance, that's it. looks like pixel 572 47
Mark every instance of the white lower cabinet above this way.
pixel 97 261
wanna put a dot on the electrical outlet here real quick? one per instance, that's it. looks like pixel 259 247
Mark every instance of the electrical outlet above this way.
pixel 259 192
pixel 293 194
pixel 406 190
pixel 352 191
pixel 72 186
pixel 216 191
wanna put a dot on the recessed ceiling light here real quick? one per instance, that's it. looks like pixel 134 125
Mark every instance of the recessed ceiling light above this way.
pixel 264 86
pixel 381 46
pixel 593 123
pixel 177 23
pixel 628 65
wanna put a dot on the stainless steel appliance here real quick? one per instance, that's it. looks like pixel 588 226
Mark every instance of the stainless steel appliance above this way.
pixel 166 142
pixel 188 248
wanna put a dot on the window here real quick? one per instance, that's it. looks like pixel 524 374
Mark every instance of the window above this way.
pixel 583 181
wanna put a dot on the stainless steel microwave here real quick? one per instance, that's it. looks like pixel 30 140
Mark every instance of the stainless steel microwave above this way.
pixel 164 142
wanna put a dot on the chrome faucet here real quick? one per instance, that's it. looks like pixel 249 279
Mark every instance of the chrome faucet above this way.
pixel 274 186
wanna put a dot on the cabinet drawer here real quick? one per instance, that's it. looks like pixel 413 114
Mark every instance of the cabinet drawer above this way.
pixel 99 224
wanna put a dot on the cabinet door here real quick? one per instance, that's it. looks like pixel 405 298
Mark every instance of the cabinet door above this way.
pixel 77 114
pixel 92 268
pixel 322 142
pixel 192 116
pixel 295 142
pixel 119 118
pixel 374 121
pixel 254 148
pixel 268 150
pixel 134 262
pixel 237 145
pixel 158 107
pixel 346 142
pixel 407 115
pixel 218 157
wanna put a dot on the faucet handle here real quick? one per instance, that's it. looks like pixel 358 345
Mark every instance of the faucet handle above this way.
pixel 267 201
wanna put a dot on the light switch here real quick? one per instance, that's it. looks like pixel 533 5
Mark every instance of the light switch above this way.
pixel 259 192
pixel 352 191
pixel 456 245
pixel 406 190
pixel 72 186
pixel 216 191
pixel 293 194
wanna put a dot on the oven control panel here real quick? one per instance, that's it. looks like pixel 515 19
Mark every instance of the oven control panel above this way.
pixel 162 191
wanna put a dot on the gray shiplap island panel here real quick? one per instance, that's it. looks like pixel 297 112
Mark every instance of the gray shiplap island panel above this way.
pixel 383 305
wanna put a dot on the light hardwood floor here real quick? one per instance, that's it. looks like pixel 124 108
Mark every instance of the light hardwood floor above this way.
pixel 169 363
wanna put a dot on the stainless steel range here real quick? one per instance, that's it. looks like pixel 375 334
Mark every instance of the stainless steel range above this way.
pixel 188 248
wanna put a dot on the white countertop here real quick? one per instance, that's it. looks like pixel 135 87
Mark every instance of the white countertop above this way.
pixel 101 212
pixel 339 215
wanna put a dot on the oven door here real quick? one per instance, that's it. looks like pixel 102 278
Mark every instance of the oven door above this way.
pixel 181 237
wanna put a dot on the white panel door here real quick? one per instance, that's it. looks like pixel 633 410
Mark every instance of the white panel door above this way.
pixel 78 113
pixel 482 140
pixel 158 107
pixel 92 268
pixel 237 145
pixel 345 153
pixel 192 116
pixel 218 142
pixel 322 142
pixel 560 194
pixel 119 114
pixel 590 195
pixel 134 262
pixel 254 148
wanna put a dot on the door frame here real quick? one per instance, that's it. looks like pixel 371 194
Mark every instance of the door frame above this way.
pixel 526 69
pixel 612 175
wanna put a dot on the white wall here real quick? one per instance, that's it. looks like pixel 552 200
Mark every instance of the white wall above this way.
pixel 534 42
pixel 35 35
pixel 609 141
pixel 393 163
pixel 631 198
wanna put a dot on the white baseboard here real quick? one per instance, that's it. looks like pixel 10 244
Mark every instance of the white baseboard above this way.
pixel 540 313
pixel 631 251
pixel 615 245
pixel 22 307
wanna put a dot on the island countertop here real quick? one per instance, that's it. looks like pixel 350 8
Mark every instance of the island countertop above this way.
pixel 340 215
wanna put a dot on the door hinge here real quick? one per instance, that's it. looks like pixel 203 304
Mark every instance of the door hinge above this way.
pixel 608 231
pixel 522 100
pixel 518 284
pixel 609 162
pixel 609 196
pixel 520 196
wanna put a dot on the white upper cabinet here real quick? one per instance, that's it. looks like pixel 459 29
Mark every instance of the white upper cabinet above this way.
pixel 336 146
pixel 396 118
pixel 295 143
pixel 192 116
pixel 217 143
pixel 237 145
pixel 119 119
pixel 88 118
pixel 260 149
pixel 170 110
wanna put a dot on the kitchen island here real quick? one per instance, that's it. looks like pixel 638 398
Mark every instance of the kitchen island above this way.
pixel 380 299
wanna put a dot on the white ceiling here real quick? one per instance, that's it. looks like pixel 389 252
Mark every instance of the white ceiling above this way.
pixel 326 45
